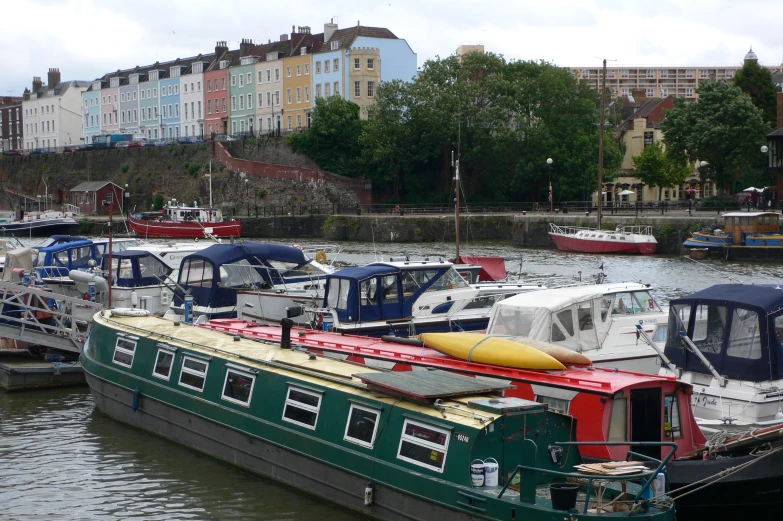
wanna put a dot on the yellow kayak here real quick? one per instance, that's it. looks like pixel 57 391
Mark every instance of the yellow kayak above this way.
pixel 484 349
pixel 561 354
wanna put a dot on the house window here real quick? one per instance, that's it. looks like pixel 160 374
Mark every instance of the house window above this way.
pixel 357 89
pixel 299 95
pixel 277 74
pixel 703 73
pixel 357 63
pixel 289 123
pixel 269 98
pixel 249 78
pixel 233 127
pixel 298 70
pixel 370 64
pixel 326 66
pixel 623 74
pixel 336 67
pixel 124 350
pixel 222 83
pixel 288 72
pixel 424 445
pixel 186 88
pixel 298 121
pixel 337 88
pixel 288 96
pixel 362 425
pixel 689 73
pixel 277 98
pixel 650 93
pixel 260 98
pixel 327 92
pixel 268 75
pixel 233 103
pixel 209 86
pixel 307 94
pixel 260 76
pixel 650 73
pixel 624 92
pixel 224 104
pixel 729 73
pixel 664 74
pixel 233 80
pixel 238 387
pixel 193 373
pixel 307 69
pixel 318 90
pixel 370 89
pixel 250 101
pixel 318 67
pixel 163 364
pixel 241 103
pixel 610 74
pixel 301 406
pixel 241 81
pixel 334 45
pixel 689 92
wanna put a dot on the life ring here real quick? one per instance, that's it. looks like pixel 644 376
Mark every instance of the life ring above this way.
pixel 397 208
pixel 320 257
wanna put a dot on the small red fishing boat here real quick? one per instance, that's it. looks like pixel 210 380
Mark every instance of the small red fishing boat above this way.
pixel 185 222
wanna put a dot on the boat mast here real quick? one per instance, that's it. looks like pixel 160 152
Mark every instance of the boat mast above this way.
pixel 455 164
pixel 601 145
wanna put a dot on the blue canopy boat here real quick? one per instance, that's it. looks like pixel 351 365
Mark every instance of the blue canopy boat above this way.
pixel 408 297
pixel 214 275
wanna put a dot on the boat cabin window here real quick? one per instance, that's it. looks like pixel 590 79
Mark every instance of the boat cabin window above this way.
pixel 556 404
pixel 779 328
pixel 41 261
pixel 562 326
pixel 238 387
pixel 709 328
pixel 423 445
pixel 150 267
pixel 163 364
pixel 671 424
pixel 744 336
pixel 241 274
pixel 124 351
pixel 122 268
pixel 632 303
pixel 292 269
pixel 362 425
pixel 334 291
pixel 660 333
pixel 390 291
pixel 449 280
pixel 585 314
pixel 301 407
pixel 81 255
pixel 486 301
pixel 193 374
pixel 196 272
pixel 618 423
pixel 369 291
pixel 679 315
pixel 414 280
pixel 511 321
pixel 61 258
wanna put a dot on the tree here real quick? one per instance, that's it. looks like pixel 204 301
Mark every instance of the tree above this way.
pixel 332 140
pixel 723 128
pixel 657 168
pixel 756 81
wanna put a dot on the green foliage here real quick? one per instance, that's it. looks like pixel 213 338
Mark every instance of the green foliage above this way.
pixel 124 168
pixel 655 167
pixel 756 81
pixel 333 137
pixel 157 202
pixel 261 194
pixel 719 203
pixel 193 169
pixel 723 128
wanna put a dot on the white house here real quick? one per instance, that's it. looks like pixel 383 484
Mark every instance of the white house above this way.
pixel 53 112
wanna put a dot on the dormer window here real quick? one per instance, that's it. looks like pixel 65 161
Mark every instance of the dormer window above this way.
pixel 153 75
pixel 175 72
pixel 334 45
pixel 198 67
pixel 114 82
pixel 304 51
pixel 223 64
pixel 134 79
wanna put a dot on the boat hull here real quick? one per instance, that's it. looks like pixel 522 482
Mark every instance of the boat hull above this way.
pixel 755 490
pixel 259 456
pixel 45 228
pixel 567 243
pixel 185 230
pixel 402 329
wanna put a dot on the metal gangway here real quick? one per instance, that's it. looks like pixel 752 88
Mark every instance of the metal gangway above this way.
pixel 41 317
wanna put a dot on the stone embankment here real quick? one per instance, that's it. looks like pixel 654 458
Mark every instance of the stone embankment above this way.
pixel 531 230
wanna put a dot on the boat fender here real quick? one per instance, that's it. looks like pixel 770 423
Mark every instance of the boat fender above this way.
pixel 402 340
pixel 136 400
pixel 134 299
pixel 368 490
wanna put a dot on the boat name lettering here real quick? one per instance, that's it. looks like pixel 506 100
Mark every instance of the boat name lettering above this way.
pixel 464 438
pixel 706 400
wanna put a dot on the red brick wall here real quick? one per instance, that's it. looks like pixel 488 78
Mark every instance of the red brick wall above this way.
pixel 293 173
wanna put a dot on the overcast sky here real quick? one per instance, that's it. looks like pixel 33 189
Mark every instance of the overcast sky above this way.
pixel 87 38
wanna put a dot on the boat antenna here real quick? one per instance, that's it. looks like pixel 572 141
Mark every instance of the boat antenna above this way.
pixel 725 274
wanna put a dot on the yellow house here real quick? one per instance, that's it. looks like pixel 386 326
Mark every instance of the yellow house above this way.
pixel 297 97
pixel 364 68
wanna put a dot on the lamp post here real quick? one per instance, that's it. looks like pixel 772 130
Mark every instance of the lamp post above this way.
pixel 549 171
pixel 247 196
pixel 127 198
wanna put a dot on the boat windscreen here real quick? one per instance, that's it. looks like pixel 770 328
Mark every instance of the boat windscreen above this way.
pixel 242 274
pixel 449 280
pixel 633 303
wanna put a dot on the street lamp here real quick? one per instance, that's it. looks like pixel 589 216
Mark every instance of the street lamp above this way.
pixel 549 171
pixel 127 198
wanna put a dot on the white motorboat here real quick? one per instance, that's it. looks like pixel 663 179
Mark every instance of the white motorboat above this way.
pixel 597 320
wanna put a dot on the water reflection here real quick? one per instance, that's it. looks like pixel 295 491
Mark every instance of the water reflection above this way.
pixel 64 459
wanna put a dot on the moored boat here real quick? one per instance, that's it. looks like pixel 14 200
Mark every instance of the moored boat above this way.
pixel 182 222
pixel 42 223
pixel 744 236
pixel 397 446
pixel 624 239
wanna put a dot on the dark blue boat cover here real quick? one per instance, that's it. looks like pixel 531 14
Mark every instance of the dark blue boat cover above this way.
pixel 738 351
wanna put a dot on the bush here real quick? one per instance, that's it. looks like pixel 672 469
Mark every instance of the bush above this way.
pixel 719 203
pixel 124 168
pixel 193 169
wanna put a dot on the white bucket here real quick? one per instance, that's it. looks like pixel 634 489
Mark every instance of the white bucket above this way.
pixel 491 471
pixel 477 473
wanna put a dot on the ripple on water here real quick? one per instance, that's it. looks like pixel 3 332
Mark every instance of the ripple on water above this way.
pixel 62 459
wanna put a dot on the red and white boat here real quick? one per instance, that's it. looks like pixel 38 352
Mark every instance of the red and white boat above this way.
pixel 624 239
pixel 185 222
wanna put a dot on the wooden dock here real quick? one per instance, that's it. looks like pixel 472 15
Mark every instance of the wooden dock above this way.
pixel 20 370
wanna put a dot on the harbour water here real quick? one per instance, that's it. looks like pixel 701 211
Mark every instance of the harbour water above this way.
pixel 62 459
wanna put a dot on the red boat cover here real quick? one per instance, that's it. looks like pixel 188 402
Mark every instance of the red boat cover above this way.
pixel 492 268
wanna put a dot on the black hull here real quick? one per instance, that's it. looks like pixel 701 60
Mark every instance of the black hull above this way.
pixel 39 228
pixel 753 493
pixel 305 472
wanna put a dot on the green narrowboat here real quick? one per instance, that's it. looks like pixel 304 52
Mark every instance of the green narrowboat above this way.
pixel 420 445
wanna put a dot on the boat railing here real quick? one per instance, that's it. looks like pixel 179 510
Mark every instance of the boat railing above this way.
pixel 72 209
pixel 636 230
pixel 568 230
pixel 646 477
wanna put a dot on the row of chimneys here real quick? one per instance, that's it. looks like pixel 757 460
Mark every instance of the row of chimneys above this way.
pixel 53 78
pixel 246 44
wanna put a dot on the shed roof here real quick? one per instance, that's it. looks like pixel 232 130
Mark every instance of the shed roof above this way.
pixel 93 186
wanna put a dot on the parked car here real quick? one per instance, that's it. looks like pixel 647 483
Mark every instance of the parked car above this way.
pixel 122 144
pixel 139 143
pixel 159 143
pixel 73 148
pixel 13 152
pixel 224 138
